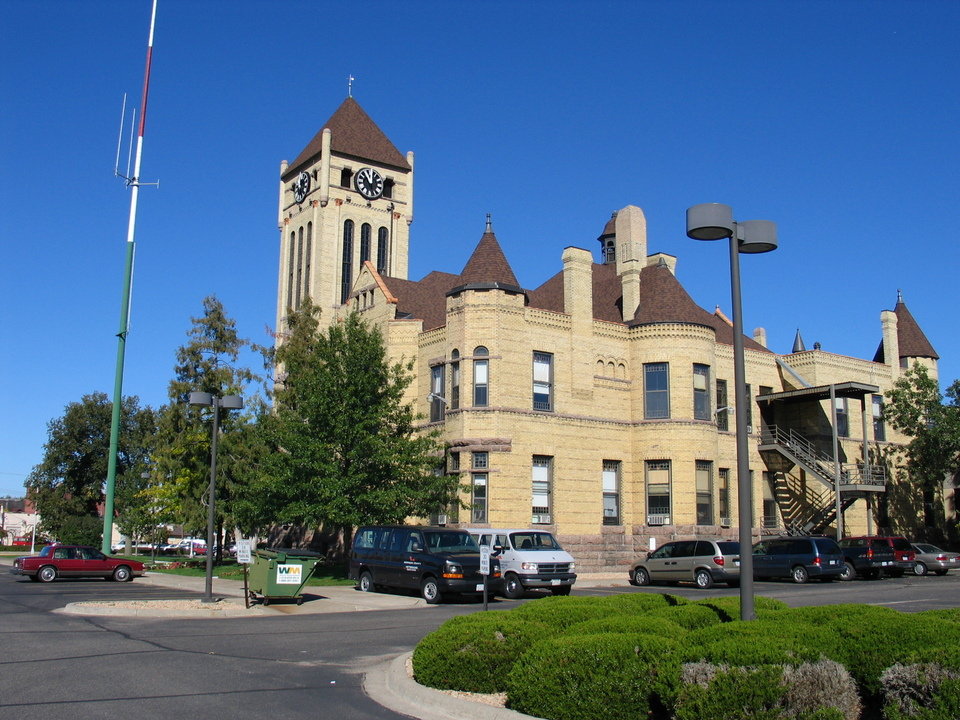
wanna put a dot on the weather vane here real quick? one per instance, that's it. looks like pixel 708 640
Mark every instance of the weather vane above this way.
pixel 350 79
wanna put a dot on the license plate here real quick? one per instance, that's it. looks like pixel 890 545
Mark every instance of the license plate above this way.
pixel 479 587
pixel 886 563
pixel 737 563
pixel 554 582
pixel 833 562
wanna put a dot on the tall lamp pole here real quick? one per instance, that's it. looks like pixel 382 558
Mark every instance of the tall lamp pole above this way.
pixel 229 402
pixel 713 221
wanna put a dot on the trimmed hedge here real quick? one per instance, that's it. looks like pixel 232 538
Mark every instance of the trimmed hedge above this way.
pixel 728 608
pixel 757 642
pixel 475 652
pixel 639 624
pixel 560 612
pixel 691 617
pixel 595 677
pixel 643 602
pixel 926 691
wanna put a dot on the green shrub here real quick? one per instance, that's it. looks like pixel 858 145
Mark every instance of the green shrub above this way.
pixel 475 652
pixel 949 614
pixel 624 624
pixel 637 602
pixel 728 608
pixel 594 677
pixel 757 642
pixel 561 612
pixel 691 617
pixel 766 692
pixel 926 691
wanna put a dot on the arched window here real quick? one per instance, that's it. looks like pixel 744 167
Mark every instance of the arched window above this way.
pixel 290 264
pixel 383 250
pixel 306 260
pixel 481 377
pixel 364 243
pixel 346 272
pixel 299 266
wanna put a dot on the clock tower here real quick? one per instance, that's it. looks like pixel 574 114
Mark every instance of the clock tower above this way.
pixel 346 199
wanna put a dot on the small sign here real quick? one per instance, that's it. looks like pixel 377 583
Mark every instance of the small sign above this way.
pixel 289 574
pixel 484 559
pixel 244 552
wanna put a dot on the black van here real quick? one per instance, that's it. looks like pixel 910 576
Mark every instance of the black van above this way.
pixel 433 560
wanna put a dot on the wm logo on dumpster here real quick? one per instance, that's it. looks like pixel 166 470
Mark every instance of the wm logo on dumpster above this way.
pixel 289 574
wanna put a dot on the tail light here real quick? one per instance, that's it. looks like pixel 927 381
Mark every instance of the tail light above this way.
pixel 941 558
pixel 816 561
pixel 718 560
pixel 869 553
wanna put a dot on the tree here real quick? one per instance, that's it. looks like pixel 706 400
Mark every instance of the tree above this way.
pixel 345 448
pixel 68 484
pixel 916 408
pixel 181 470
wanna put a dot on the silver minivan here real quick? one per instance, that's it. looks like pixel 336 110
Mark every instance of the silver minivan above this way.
pixel 529 559
pixel 703 562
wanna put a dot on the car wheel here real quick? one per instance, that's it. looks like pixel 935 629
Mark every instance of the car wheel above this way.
pixel 873 574
pixel 365 583
pixel 33 578
pixel 939 572
pixel 512 587
pixel 898 572
pixel 564 590
pixel 919 569
pixel 849 572
pixel 122 574
pixel 640 576
pixel 703 579
pixel 430 591
pixel 799 574
pixel 48 573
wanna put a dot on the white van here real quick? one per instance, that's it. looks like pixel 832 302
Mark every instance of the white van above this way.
pixel 529 559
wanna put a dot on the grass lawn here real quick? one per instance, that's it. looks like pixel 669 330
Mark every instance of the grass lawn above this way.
pixel 324 575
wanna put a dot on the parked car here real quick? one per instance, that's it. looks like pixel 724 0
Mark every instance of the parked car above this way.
pixel 866 557
pixel 904 555
pixel 798 558
pixel 75 561
pixel 435 560
pixel 703 562
pixel 931 558
pixel 529 559
pixel 187 546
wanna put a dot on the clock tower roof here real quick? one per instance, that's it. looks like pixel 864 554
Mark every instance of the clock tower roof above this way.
pixel 354 134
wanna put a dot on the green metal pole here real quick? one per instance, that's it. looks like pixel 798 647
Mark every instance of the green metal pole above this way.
pixel 117 402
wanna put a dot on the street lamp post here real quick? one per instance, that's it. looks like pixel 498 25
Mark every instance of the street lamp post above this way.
pixel 228 402
pixel 713 221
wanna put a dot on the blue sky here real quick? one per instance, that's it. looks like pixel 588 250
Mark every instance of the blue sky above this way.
pixel 837 120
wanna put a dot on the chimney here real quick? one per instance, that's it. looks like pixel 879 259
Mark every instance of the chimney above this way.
pixel 891 343
pixel 631 238
pixel 578 284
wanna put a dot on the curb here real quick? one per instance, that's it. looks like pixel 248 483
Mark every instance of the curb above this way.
pixel 388 684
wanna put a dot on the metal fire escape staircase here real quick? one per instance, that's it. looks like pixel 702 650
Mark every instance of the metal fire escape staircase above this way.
pixel 805 509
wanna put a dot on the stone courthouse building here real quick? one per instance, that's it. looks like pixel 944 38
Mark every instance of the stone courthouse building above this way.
pixel 598 405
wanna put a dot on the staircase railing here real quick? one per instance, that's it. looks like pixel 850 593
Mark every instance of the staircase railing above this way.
pixel 818 462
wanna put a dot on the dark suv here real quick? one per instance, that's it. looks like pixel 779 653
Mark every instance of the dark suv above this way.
pixel 904 556
pixel 798 558
pixel 434 560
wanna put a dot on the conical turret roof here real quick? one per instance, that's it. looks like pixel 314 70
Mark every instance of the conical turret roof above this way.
pixel 912 341
pixel 488 266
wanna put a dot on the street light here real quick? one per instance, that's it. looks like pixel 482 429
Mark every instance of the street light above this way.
pixel 229 402
pixel 713 221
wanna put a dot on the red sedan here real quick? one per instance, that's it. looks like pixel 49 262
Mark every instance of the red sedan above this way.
pixel 75 561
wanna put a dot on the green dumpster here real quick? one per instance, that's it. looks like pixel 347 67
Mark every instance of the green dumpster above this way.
pixel 280 574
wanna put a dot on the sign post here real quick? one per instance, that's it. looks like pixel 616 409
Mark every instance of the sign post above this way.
pixel 244 556
pixel 485 570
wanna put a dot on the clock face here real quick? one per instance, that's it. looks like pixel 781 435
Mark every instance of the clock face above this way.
pixel 301 186
pixel 369 183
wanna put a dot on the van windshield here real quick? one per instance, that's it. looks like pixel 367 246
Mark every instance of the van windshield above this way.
pixel 451 541
pixel 534 541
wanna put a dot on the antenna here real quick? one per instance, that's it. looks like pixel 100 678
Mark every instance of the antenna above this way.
pixel 123 114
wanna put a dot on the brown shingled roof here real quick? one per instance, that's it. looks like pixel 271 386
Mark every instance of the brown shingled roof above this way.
pixel 353 133
pixel 488 264
pixel 912 341
pixel 424 299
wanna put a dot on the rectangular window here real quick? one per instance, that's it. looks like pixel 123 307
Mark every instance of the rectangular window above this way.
pixel 542 381
pixel 542 481
pixel 656 391
pixel 704 469
pixel 436 394
pixel 723 498
pixel 455 385
pixel 454 463
pixel 723 406
pixel 480 382
pixel 701 392
pixel 658 492
pixel 480 461
pixel 769 501
pixel 611 492
pixel 478 502
pixel 879 430
pixel 843 419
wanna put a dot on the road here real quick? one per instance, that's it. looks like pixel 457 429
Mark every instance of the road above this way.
pixel 294 666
